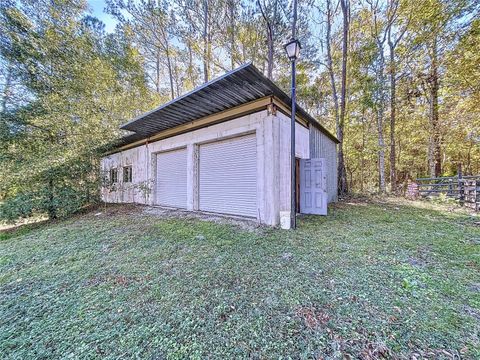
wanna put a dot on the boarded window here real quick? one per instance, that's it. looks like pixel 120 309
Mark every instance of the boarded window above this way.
pixel 113 176
pixel 127 174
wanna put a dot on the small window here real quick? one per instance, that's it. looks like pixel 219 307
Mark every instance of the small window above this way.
pixel 127 174
pixel 113 176
pixel 105 179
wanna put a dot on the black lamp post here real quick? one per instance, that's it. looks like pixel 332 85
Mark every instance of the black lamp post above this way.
pixel 293 51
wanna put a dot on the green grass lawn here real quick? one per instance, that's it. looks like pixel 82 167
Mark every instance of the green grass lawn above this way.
pixel 377 278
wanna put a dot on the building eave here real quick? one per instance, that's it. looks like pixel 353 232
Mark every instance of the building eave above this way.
pixel 217 99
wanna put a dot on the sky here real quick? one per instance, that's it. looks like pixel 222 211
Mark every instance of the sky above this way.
pixel 97 7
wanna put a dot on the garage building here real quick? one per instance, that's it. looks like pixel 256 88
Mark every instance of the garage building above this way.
pixel 224 148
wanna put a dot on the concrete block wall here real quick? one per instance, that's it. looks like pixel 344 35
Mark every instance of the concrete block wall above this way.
pixel 273 162
pixel 127 192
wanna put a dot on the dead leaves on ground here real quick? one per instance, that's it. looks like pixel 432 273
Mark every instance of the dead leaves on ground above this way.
pixel 117 280
pixel 313 318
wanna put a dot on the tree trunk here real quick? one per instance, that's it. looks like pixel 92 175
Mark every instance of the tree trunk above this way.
pixel 190 63
pixel 270 38
pixel 170 73
pixel 270 53
pixel 342 174
pixel 393 108
pixel 205 42
pixel 231 10
pixel 362 161
pixel 157 72
pixel 176 76
pixel 330 62
pixel 381 153
pixel 436 155
pixel 392 44
pixel 380 113
pixel 52 211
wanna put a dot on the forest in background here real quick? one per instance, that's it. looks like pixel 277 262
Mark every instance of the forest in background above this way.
pixel 397 81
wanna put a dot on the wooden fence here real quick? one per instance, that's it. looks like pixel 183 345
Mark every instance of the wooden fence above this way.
pixel 465 189
pixel 471 194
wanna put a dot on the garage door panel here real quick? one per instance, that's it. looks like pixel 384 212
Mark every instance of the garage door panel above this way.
pixel 171 187
pixel 228 176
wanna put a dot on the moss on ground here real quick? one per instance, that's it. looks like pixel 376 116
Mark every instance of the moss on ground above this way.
pixel 385 278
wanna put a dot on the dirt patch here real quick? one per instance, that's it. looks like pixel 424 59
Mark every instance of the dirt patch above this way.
pixel 423 257
pixel 416 262
pixel 24 224
pixel 171 213
pixel 373 351
pixel 243 223
pixel 115 279
pixel 116 209
pixel 312 317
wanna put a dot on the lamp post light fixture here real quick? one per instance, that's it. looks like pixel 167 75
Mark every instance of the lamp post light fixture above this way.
pixel 292 49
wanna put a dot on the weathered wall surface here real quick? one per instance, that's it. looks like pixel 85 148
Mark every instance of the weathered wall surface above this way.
pixel 323 147
pixel 273 165
pixel 302 151
pixel 127 192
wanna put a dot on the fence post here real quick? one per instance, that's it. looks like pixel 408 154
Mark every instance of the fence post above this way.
pixel 477 195
pixel 461 190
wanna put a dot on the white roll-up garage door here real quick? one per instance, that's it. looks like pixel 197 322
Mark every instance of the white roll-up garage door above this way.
pixel 171 187
pixel 228 176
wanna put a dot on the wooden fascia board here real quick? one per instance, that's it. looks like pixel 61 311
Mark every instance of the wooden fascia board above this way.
pixel 286 110
pixel 225 115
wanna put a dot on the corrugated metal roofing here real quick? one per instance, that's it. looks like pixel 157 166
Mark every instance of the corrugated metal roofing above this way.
pixel 232 89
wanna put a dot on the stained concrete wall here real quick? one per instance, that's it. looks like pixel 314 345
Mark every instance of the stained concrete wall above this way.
pixel 302 151
pixel 273 162
pixel 321 146
pixel 127 192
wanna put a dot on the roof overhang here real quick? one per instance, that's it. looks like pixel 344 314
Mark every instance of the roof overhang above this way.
pixel 244 85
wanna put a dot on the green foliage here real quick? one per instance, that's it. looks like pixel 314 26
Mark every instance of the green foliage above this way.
pixel 393 275
pixel 66 85
pixel 20 206
pixel 451 26
pixel 81 84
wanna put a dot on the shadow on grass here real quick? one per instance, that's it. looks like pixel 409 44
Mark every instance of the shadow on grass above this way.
pixel 23 229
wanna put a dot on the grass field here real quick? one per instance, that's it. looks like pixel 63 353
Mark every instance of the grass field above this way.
pixel 375 278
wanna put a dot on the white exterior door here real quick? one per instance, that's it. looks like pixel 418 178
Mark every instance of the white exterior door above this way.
pixel 313 186
pixel 228 176
pixel 171 182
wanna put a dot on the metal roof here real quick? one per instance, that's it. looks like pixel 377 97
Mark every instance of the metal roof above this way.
pixel 232 89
